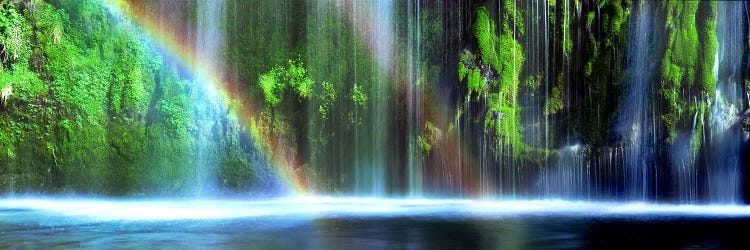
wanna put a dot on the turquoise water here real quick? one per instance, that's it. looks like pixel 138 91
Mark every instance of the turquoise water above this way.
pixel 343 223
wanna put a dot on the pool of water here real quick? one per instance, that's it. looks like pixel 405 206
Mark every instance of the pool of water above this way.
pixel 358 223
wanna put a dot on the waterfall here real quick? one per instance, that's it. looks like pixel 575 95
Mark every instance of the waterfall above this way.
pixel 373 149
pixel 724 145
pixel 636 122
pixel 206 110
pixel 414 95
pixel 569 177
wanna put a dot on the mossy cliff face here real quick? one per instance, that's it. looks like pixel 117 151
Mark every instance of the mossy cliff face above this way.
pixel 96 108
pixel 687 80
pixel 579 84
pixel 586 69
pixel 494 75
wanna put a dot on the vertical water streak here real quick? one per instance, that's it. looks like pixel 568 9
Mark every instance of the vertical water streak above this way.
pixel 568 178
pixel 414 95
pixel 209 44
pixel 371 165
pixel 724 149
pixel 635 123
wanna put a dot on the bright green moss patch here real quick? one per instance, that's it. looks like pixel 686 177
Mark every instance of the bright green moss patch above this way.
pixel 486 34
pixel 475 82
pixel 686 70
pixel 505 56
pixel 275 82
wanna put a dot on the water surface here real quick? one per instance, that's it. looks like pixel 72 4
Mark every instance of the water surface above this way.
pixel 343 223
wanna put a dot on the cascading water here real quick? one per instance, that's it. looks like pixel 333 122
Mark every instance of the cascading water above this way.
pixel 568 177
pixel 371 166
pixel 207 110
pixel 363 160
pixel 724 145
pixel 637 118
pixel 414 103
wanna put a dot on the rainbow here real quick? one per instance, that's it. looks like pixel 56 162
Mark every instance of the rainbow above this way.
pixel 240 106
pixel 178 45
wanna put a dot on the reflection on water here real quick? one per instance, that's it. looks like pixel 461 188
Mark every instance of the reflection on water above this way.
pixel 365 224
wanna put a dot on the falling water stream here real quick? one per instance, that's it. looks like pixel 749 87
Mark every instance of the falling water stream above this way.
pixel 724 174
pixel 207 108
pixel 637 116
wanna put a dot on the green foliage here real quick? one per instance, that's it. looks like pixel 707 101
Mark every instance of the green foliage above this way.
pixel 358 96
pixel 553 103
pixel 93 101
pixel 430 136
pixel 533 82
pixel 275 82
pixel 512 18
pixel 708 46
pixel 297 77
pixel 173 110
pixel 567 23
pixel 26 85
pixel 602 40
pixel 14 36
pixel 503 52
pixel 505 56
pixel 462 71
pixel 512 62
pixel 328 97
pixel 475 81
pixel 271 86
pixel 688 61
pixel 484 30
pixel 613 17
pixel 468 69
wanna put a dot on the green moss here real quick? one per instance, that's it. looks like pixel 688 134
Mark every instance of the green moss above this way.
pixel 485 32
pixel 533 82
pixel 474 81
pixel 271 87
pixel 512 62
pixel 505 56
pixel 26 86
pixel 462 71
pixel 275 82
pixel 512 18
pixel 686 71
pixel 708 44
pixel 613 18
pixel 430 137
pixel 15 33
pixel 567 23
pixel 553 103
pixel 358 96
pixel 327 99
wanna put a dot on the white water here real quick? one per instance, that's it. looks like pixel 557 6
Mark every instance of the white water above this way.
pixel 92 210
pixel 207 107
pixel 636 121
pixel 724 144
